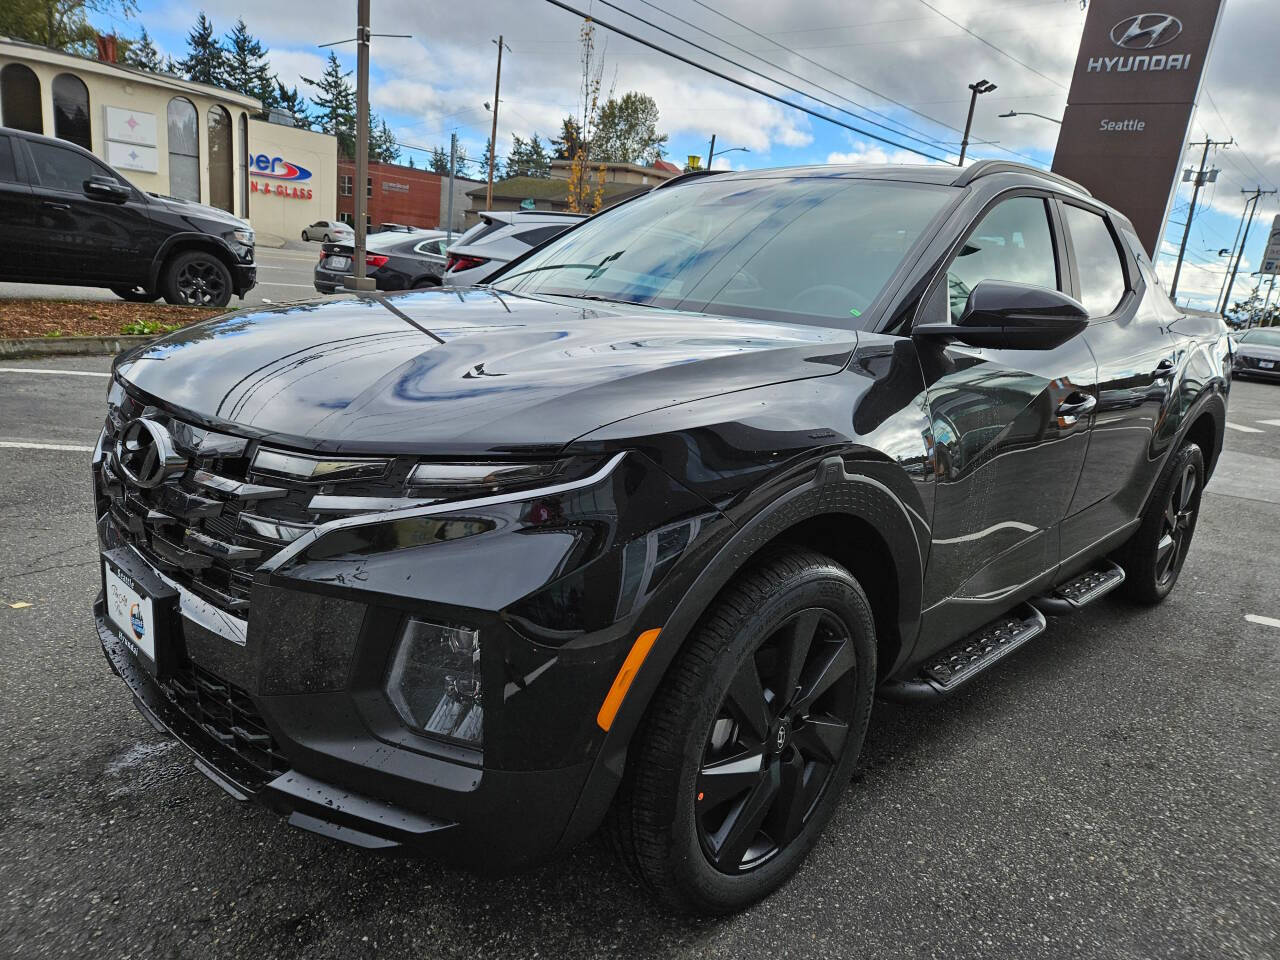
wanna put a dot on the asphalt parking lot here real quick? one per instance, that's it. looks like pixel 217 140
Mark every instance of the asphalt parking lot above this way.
pixel 1110 791
pixel 284 274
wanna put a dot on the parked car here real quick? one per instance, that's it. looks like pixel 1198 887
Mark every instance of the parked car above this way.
pixel 328 231
pixel 1257 353
pixel 396 261
pixel 501 236
pixel 79 222
pixel 633 535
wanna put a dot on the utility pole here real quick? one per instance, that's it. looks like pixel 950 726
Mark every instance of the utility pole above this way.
pixel 1252 205
pixel 982 86
pixel 493 137
pixel 359 280
pixel 453 168
pixel 711 154
pixel 1201 178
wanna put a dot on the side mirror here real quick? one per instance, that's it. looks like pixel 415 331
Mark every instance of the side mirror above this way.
pixel 104 188
pixel 1013 316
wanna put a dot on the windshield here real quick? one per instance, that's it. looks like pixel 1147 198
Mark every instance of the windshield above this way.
pixel 1263 338
pixel 812 249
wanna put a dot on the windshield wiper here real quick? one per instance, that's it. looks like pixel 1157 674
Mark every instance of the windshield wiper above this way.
pixel 551 266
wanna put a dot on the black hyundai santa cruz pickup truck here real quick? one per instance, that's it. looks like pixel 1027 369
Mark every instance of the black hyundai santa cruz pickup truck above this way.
pixel 631 536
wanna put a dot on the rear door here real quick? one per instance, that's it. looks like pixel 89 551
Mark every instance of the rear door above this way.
pixel 1007 448
pixel 1132 335
pixel 86 240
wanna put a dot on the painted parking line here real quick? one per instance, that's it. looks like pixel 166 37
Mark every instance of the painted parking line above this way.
pixel 61 373
pixel 32 445
pixel 1242 429
pixel 1265 621
pixel 1271 423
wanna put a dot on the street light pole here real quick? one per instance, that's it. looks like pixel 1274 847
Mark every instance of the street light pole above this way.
pixel 1202 177
pixel 712 152
pixel 982 86
pixel 453 168
pixel 1031 113
pixel 493 136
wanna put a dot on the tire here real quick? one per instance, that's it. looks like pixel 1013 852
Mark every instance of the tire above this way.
pixel 196 279
pixel 680 819
pixel 326 238
pixel 305 238
pixel 1153 557
pixel 425 283
pixel 136 294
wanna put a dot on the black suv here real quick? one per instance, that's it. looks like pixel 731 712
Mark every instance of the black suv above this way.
pixel 634 534
pixel 81 223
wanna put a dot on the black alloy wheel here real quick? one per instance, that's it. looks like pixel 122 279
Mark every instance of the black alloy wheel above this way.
pixel 776 739
pixel 1177 521
pixel 751 736
pixel 1153 557
pixel 197 279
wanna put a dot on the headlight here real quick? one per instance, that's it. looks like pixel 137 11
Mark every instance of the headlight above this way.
pixel 434 681
pixel 244 236
pixel 446 480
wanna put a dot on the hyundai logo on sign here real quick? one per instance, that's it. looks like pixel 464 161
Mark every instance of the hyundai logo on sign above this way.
pixel 1146 30
pixel 277 167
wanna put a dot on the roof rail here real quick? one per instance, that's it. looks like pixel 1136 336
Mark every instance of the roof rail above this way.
pixel 685 177
pixel 984 168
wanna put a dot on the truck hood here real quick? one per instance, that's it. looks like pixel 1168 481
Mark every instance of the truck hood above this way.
pixel 511 373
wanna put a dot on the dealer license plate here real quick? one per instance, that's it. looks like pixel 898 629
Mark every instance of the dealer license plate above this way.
pixel 1266 364
pixel 132 612
pixel 337 263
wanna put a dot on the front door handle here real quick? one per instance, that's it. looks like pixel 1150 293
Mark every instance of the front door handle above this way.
pixel 1076 405
pixel 55 205
pixel 1164 368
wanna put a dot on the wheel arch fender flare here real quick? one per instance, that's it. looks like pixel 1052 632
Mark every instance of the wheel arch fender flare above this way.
pixel 831 488
pixel 1212 403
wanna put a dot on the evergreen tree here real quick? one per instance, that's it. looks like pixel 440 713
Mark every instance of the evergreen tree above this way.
pixel 288 98
pixel 383 145
pixel 528 158
pixel 206 61
pixel 566 146
pixel 247 70
pixel 439 162
pixel 483 162
pixel 142 53
pixel 626 131
pixel 336 105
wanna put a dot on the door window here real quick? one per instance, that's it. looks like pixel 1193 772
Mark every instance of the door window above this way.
pixel 8 173
pixel 58 168
pixel 1013 243
pixel 1098 261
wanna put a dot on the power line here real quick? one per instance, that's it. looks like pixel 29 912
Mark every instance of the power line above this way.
pixel 1004 53
pixel 848 79
pixel 765 76
pixel 1213 104
pixel 742 83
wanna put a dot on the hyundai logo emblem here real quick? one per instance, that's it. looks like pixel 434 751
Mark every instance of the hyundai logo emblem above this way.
pixel 145 454
pixel 1146 30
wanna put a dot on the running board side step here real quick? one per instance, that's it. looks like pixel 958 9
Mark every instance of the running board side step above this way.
pixel 955 666
pixel 1081 590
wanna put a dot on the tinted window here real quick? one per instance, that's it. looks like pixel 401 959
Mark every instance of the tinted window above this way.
pixel 481 230
pixel 1097 261
pixel 71 110
pixel 786 248
pixel 7 171
pixel 1011 243
pixel 58 168
pixel 20 98
pixel 541 235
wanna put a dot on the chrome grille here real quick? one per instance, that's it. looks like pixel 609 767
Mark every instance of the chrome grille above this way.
pixel 210 526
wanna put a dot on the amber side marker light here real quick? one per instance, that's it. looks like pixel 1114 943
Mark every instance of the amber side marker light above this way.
pixel 626 674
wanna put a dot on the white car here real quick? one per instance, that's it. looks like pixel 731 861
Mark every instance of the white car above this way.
pixel 328 231
pixel 500 237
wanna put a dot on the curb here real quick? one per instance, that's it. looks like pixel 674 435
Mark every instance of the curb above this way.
pixel 70 346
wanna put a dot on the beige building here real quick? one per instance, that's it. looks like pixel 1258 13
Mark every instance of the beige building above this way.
pixel 171 136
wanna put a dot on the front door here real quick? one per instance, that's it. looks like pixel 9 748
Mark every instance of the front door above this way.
pixel 84 240
pixel 1009 430
pixel 17 212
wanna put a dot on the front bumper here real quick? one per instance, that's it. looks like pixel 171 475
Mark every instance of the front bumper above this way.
pixel 244 277
pixel 296 716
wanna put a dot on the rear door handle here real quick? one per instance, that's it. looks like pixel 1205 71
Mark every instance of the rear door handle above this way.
pixel 1164 368
pixel 1076 405
pixel 55 205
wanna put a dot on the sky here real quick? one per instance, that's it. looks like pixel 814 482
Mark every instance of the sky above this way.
pixel 906 63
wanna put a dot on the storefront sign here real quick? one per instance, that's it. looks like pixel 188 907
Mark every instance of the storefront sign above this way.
pixel 287 190
pixel 1135 85
pixel 130 139
pixel 261 165
pixel 1271 257
pixel 395 187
